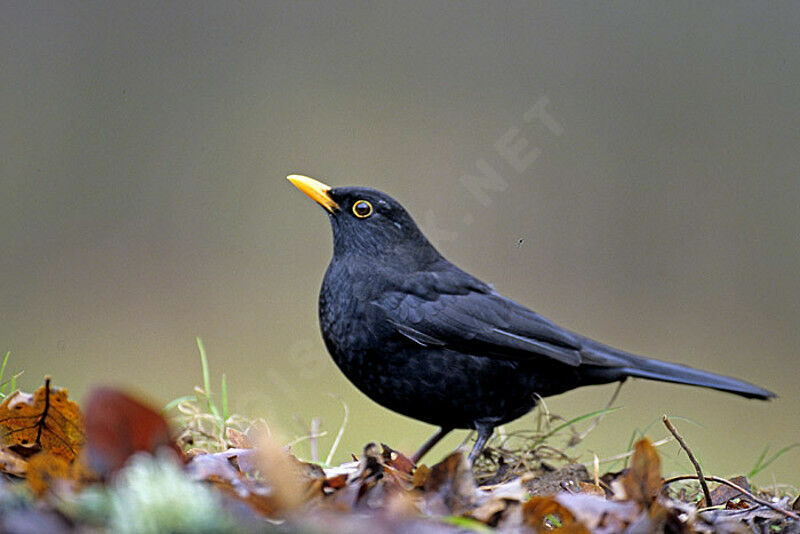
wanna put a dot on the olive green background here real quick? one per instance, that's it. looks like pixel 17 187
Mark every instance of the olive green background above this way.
pixel 143 152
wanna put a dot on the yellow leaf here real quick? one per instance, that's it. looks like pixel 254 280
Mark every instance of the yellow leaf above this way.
pixel 44 421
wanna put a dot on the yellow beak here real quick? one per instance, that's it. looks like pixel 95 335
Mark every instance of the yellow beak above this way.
pixel 315 189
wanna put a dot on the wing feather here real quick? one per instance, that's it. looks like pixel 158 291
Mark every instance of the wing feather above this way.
pixel 457 311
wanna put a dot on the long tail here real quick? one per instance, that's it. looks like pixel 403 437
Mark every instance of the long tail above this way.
pixel 608 364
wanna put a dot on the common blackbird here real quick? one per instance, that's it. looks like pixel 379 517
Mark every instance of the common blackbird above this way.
pixel 421 337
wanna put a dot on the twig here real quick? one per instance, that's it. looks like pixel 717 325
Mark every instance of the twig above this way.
pixel 695 463
pixel 738 488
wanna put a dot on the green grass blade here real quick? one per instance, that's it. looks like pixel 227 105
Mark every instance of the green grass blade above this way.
pixel 2 374
pixel 3 367
pixel 762 464
pixel 12 382
pixel 224 398
pixel 206 377
pixel 466 523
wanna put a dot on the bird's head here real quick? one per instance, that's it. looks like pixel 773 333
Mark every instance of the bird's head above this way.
pixel 368 222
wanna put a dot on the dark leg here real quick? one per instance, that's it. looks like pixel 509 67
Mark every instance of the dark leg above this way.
pixel 429 444
pixel 484 434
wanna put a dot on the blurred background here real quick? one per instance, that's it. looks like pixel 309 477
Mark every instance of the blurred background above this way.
pixel 143 200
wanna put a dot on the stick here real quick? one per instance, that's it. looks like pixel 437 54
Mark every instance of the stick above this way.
pixel 738 488
pixel 700 477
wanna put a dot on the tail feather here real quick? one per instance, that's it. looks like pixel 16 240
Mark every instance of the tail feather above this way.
pixel 620 364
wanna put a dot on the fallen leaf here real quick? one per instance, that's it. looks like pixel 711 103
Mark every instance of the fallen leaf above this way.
pixel 420 476
pixel 334 483
pixel 642 482
pixel 44 421
pixel 370 473
pixel 238 439
pixel 735 504
pixel 450 487
pixel 44 469
pixel 734 518
pixel 547 514
pixel 118 426
pixel 12 463
pixel 591 489
pixel 282 472
pixel 488 512
pixel 208 467
pixel 599 514
pixel 397 460
pixel 722 494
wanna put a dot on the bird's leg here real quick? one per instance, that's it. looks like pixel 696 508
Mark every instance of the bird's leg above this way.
pixel 484 433
pixel 429 444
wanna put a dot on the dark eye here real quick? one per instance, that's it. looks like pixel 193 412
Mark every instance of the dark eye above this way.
pixel 362 209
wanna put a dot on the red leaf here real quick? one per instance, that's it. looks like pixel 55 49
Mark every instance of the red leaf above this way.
pixel 118 426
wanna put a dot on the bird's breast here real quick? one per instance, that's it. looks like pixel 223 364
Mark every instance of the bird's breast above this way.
pixel 348 321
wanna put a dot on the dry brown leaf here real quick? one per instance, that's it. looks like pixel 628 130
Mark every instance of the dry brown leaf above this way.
pixel 12 463
pixel 722 494
pixel 44 421
pixel 219 470
pixel 267 478
pixel 450 487
pixel 282 473
pixel 397 460
pixel 598 513
pixel 334 483
pixel 591 489
pixel 642 482
pixel 420 476
pixel 487 512
pixel 237 439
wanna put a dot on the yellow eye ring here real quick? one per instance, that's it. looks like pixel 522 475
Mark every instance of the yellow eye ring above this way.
pixel 362 209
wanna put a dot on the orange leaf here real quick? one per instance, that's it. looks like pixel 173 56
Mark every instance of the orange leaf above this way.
pixel 642 482
pixel 45 468
pixel 397 460
pixel 539 512
pixel 44 421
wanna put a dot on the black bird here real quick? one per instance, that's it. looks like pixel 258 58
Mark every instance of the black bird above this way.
pixel 421 337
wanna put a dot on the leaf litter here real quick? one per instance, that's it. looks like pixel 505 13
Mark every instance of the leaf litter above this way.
pixel 122 467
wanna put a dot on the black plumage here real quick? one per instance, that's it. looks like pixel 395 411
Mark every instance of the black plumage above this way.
pixel 421 337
